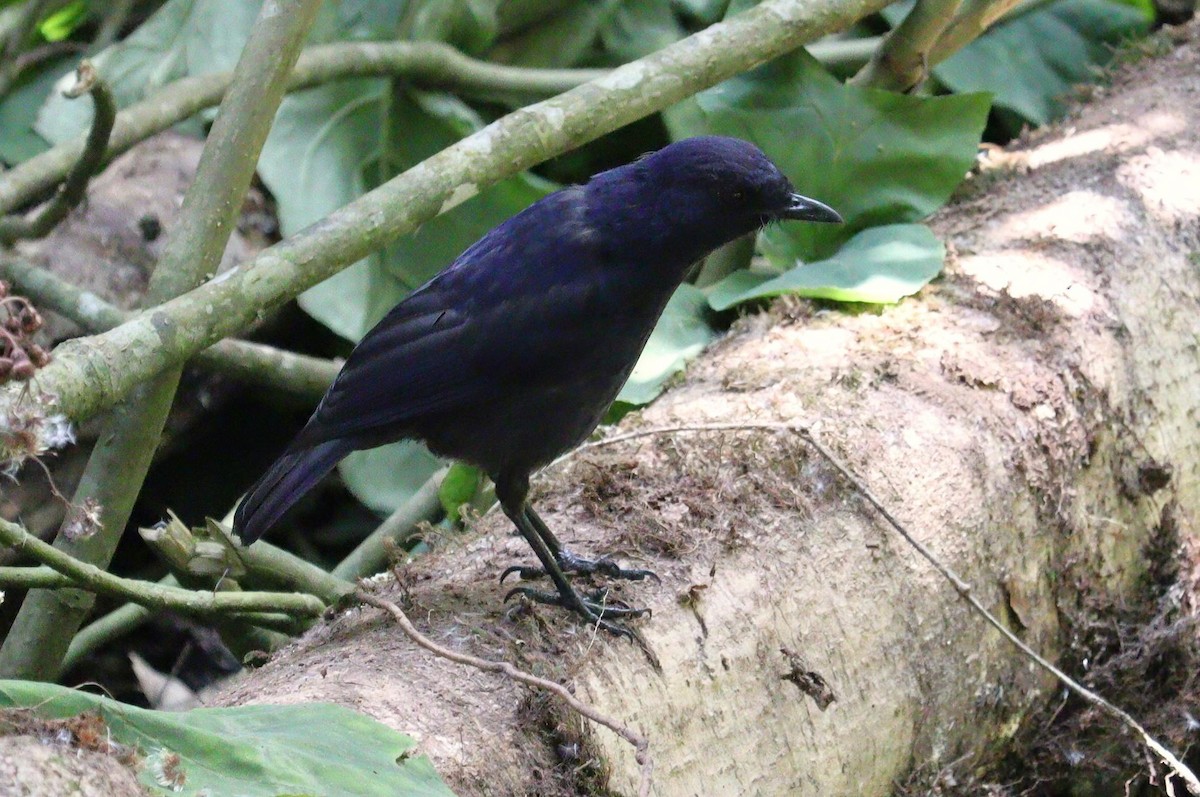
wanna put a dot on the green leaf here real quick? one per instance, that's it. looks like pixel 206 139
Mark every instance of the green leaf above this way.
pixel 681 334
pixel 331 144
pixel 560 40
pixel 384 478
pixel 881 265
pixel 639 27
pixel 459 488
pixel 252 751
pixel 322 152
pixel 704 11
pixel 181 39
pixel 19 109
pixel 469 25
pixel 1031 62
pixel 63 22
pixel 875 156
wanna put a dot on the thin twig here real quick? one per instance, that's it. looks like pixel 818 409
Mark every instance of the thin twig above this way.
pixel 371 555
pixel 641 744
pixel 13 45
pixel 963 589
pixel 81 575
pixel 74 188
pixel 423 63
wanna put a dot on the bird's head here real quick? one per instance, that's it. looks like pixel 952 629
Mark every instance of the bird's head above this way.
pixel 733 178
pixel 699 193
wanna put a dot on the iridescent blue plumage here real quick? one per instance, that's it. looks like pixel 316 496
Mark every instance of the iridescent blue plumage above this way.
pixel 511 355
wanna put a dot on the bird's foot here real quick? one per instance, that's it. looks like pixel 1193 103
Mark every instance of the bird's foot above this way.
pixel 570 563
pixel 604 566
pixel 596 608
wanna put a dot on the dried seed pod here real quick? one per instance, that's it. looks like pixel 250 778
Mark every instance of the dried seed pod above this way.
pixel 22 367
pixel 31 320
pixel 38 355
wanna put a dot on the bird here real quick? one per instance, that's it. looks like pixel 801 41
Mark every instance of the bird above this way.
pixel 512 354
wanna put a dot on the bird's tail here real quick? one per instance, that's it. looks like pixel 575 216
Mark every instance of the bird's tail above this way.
pixel 284 483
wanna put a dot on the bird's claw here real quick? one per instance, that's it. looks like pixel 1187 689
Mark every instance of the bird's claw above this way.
pixel 604 566
pixel 523 573
pixel 595 608
pixel 570 563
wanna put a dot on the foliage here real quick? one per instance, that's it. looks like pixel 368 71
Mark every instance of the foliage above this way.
pixel 19 110
pixel 265 750
pixel 182 39
pixel 1031 61
pixel 881 265
pixel 876 156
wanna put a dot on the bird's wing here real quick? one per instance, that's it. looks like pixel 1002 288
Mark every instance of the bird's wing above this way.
pixel 403 368
pixel 511 304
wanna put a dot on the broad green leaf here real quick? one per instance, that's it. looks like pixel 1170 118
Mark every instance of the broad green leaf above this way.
pixel 19 109
pixel 384 478
pixel 877 157
pixel 181 39
pixel 357 19
pixel 323 151
pixel 331 144
pixel 460 487
pixel 681 334
pixel 560 40
pixel 704 11
pixel 1031 62
pixel 881 265
pixel 469 25
pixel 252 751
pixel 63 22
pixel 638 28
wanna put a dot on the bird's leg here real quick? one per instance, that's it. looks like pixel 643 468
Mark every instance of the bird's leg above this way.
pixel 570 563
pixel 512 500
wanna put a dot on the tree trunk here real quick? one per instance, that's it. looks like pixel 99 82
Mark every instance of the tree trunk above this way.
pixel 1031 418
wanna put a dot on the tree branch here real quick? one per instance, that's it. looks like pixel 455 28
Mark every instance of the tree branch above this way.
pixel 113 625
pixel 72 573
pixel 974 18
pixel 902 60
pixel 74 188
pixel 118 464
pixel 843 56
pixel 251 363
pixel 93 373
pixel 14 40
pixel 425 63
pixel 371 555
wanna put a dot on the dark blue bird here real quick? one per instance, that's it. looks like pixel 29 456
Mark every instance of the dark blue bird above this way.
pixel 511 355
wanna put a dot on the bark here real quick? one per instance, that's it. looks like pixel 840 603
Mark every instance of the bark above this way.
pixel 1020 417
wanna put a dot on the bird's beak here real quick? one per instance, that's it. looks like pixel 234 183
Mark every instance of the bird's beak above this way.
pixel 801 208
